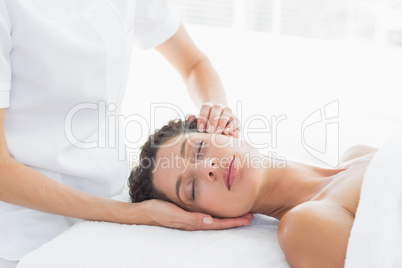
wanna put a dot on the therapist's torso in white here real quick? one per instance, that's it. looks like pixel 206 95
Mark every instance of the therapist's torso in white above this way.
pixel 63 72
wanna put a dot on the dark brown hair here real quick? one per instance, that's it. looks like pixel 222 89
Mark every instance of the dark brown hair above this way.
pixel 140 180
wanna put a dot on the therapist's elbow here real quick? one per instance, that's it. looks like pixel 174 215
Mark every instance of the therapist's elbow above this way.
pixel 200 65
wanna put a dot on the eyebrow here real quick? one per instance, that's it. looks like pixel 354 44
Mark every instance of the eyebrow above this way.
pixel 183 148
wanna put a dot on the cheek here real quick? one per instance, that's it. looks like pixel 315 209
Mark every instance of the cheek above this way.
pixel 226 205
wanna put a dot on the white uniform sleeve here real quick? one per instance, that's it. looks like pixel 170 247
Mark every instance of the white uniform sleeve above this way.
pixel 5 50
pixel 154 23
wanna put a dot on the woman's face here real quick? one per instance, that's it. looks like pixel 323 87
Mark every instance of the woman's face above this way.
pixel 208 173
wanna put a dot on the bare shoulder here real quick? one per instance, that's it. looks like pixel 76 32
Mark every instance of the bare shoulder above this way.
pixel 356 152
pixel 315 234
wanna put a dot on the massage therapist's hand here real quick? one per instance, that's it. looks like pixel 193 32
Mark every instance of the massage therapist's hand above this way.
pixel 218 119
pixel 162 213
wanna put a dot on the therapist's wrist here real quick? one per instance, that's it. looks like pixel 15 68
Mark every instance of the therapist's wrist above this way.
pixel 127 213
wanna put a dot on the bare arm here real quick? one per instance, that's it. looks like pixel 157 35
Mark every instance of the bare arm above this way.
pixel 203 83
pixel 202 80
pixel 26 187
pixel 315 234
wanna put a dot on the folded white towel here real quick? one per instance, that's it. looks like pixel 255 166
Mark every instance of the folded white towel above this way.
pixel 100 244
pixel 376 236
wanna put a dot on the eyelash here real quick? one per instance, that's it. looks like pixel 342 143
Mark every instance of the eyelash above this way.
pixel 193 194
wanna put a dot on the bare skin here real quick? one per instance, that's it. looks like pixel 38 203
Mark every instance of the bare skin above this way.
pixel 315 233
pixel 316 206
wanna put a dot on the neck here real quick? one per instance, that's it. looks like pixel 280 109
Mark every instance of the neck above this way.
pixel 283 188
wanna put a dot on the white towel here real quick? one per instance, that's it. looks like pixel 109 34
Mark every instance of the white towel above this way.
pixel 376 235
pixel 100 244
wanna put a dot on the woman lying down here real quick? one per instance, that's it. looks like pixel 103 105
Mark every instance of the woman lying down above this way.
pixel 224 177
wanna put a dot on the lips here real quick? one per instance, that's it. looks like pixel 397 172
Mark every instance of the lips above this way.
pixel 230 172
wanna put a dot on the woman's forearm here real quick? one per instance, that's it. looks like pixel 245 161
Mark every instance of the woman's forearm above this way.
pixel 204 84
pixel 23 186
pixel 194 67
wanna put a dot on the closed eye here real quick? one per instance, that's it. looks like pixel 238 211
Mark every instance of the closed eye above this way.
pixel 193 192
pixel 199 150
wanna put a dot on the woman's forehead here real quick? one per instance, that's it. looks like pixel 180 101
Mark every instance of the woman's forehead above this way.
pixel 172 150
pixel 177 142
pixel 172 156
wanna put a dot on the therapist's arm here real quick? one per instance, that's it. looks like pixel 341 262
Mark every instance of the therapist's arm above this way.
pixel 23 186
pixel 202 81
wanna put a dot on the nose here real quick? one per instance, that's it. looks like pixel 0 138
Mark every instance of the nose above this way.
pixel 208 168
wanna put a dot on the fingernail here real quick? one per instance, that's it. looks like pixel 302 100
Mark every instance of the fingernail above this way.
pixel 201 127
pixel 250 217
pixel 218 129
pixel 211 128
pixel 207 220
pixel 226 130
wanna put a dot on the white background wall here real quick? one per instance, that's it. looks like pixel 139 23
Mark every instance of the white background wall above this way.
pixel 274 75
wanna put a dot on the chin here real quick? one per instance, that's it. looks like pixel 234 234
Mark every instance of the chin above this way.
pixel 229 214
